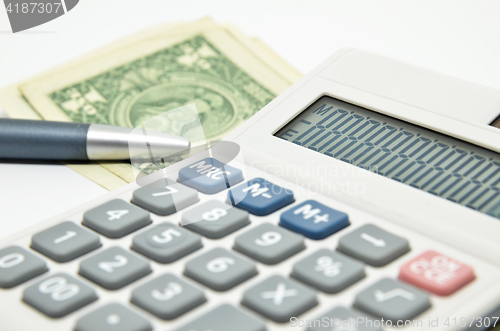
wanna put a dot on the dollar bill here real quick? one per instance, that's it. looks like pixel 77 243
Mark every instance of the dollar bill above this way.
pixel 228 76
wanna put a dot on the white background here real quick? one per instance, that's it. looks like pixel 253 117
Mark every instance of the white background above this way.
pixel 458 38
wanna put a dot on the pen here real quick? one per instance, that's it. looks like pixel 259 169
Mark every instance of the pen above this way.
pixel 64 141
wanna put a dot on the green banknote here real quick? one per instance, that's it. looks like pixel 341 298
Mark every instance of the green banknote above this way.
pixel 191 71
pixel 227 76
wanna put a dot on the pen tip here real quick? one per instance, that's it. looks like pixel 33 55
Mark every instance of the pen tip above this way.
pixel 153 146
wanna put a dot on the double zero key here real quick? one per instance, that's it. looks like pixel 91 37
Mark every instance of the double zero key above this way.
pixel 59 295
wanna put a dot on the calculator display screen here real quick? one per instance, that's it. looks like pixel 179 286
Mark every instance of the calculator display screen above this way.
pixel 432 162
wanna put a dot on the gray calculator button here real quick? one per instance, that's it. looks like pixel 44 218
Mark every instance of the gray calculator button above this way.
pixel 164 197
pixel 113 317
pixel 328 271
pixel 17 265
pixel 341 318
pixel 220 269
pixel 392 300
pixel 59 295
pixel 215 219
pixel 116 218
pixel 279 298
pixel 65 242
pixel 269 244
pixel 114 268
pixel 167 297
pixel 166 243
pixel 225 318
pixel 372 245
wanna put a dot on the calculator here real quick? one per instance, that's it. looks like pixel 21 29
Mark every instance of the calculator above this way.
pixel 365 197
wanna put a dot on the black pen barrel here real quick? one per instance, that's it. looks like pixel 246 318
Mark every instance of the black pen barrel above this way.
pixel 43 140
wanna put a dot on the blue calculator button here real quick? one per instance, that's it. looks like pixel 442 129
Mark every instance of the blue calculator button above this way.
pixel 260 197
pixel 314 220
pixel 210 176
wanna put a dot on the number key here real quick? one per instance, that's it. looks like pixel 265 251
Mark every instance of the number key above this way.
pixel 167 297
pixel 114 268
pixel 215 219
pixel 269 244
pixel 164 197
pixel 116 218
pixel 65 242
pixel 59 295
pixel 17 265
pixel 220 269
pixel 166 243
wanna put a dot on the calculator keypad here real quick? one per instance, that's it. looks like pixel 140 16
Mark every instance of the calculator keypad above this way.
pixel 164 197
pixel 279 298
pixel 65 242
pixel 116 218
pixel 17 265
pixel 392 300
pixel 220 269
pixel 269 244
pixel 328 271
pixel 113 317
pixel 170 296
pixel 167 297
pixel 314 220
pixel 210 176
pixel 59 295
pixel 373 245
pixel 114 268
pixel 260 197
pixel 166 243
pixel 215 219
pixel 225 318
